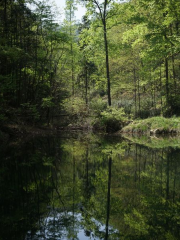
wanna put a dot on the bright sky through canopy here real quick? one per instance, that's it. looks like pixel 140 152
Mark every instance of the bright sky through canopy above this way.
pixel 78 13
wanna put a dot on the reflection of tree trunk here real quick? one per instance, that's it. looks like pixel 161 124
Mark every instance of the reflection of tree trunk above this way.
pixel 55 185
pixel 162 160
pixel 73 193
pixel 37 191
pixel 135 174
pixel 167 174
pixel 167 188
pixel 174 185
pixel 139 167
pixel 108 199
pixel 87 169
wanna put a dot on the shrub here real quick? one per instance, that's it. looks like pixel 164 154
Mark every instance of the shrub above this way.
pixel 97 105
pixel 76 109
pixel 113 118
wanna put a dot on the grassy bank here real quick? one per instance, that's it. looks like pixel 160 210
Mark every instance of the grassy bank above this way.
pixel 154 125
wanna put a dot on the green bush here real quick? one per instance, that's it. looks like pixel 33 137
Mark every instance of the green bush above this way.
pixel 113 118
pixel 76 109
pixel 97 105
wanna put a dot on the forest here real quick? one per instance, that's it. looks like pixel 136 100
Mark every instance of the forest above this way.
pixel 115 76
pixel 120 63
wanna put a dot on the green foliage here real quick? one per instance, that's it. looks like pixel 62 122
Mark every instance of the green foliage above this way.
pixel 113 118
pixel 112 113
pixel 97 105
pixel 30 53
pixel 110 119
pixel 47 102
pixel 43 63
pixel 74 106
pixel 76 109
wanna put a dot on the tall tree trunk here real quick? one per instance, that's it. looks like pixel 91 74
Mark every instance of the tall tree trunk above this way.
pixel 71 49
pixel 107 64
pixel 135 90
pixel 139 98
pixel 103 16
pixel 160 78
pixel 86 84
pixel 167 80
pixel 173 63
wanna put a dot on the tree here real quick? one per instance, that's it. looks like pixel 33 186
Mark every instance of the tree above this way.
pixel 70 8
pixel 101 12
pixel 31 48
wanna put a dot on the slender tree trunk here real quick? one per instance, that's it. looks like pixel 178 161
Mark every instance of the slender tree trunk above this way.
pixel 102 13
pixel 135 90
pixel 107 64
pixel 167 80
pixel 167 76
pixel 72 69
pixel 154 95
pixel 160 78
pixel 173 64
pixel 139 97
pixel 71 49
pixel 86 83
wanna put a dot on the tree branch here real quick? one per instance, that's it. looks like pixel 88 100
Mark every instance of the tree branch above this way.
pixel 100 10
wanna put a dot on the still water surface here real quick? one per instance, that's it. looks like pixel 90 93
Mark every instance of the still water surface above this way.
pixel 89 187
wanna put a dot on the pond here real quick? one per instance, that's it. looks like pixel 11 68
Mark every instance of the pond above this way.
pixel 86 186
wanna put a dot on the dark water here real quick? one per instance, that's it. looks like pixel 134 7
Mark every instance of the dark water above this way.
pixel 88 187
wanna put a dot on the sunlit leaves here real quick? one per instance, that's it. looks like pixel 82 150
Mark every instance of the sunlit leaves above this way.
pixel 136 35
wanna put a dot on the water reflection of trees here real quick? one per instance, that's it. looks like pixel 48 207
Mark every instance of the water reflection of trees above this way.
pixel 25 185
pixel 144 188
pixel 144 183
pixel 121 190
pixel 152 200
